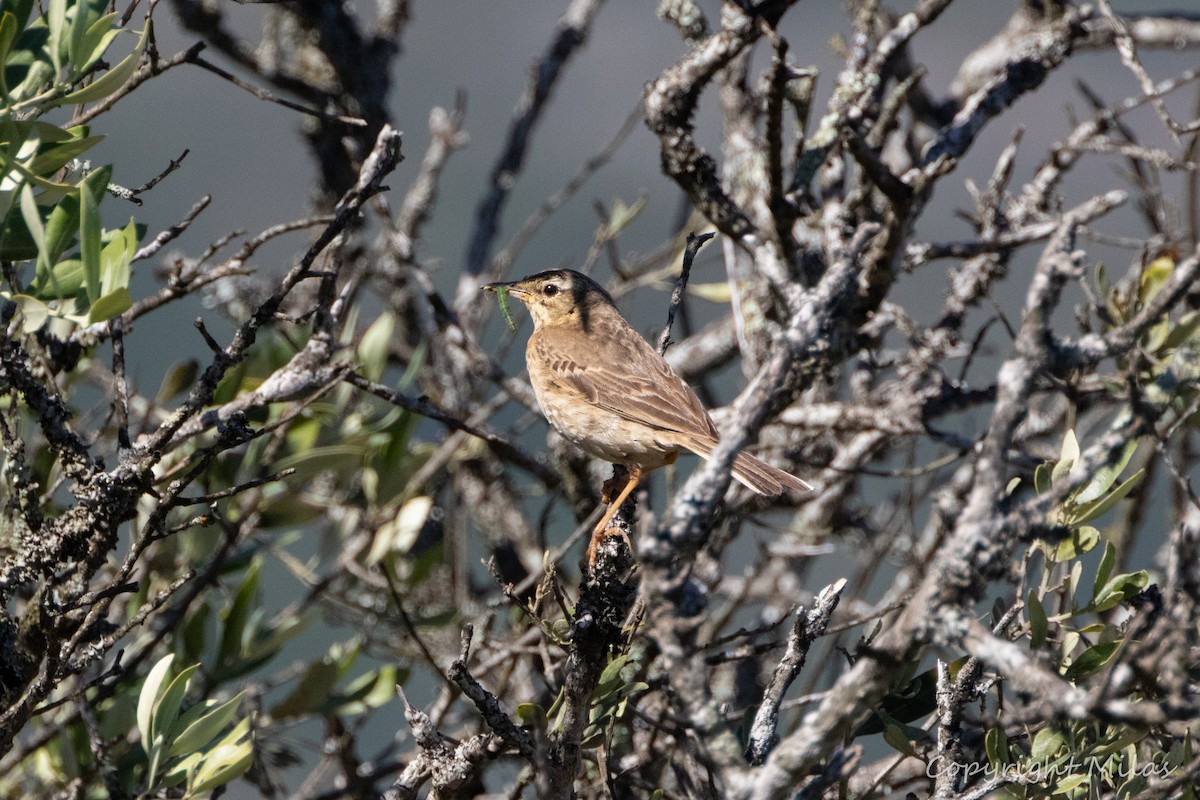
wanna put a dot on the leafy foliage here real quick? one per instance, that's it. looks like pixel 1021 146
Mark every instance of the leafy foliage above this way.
pixel 50 203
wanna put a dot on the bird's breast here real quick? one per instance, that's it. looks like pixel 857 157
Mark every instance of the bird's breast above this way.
pixel 597 430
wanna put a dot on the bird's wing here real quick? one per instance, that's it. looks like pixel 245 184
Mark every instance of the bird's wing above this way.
pixel 624 375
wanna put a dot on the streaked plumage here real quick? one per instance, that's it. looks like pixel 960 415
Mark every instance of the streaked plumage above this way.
pixel 603 387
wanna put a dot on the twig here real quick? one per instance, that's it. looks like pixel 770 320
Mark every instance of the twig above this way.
pixel 175 164
pixel 694 243
pixel 263 94
pixel 808 626
pixel 486 702
pixel 161 240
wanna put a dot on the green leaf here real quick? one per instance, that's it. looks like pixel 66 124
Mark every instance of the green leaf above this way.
pixel 368 691
pixel 1038 623
pixel 1068 455
pixel 1041 478
pixel 610 678
pixel 62 227
pixel 1091 660
pixel 91 192
pixel 1070 783
pixel 280 633
pixel 1156 336
pixel 1155 274
pixel 63 282
pixel 1046 744
pixel 1098 508
pixel 110 305
pixel 399 533
pixel 34 311
pixel 1070 640
pixel 375 345
pixel 53 158
pixel 1074 580
pixel 33 222
pixel 100 34
pixel 116 257
pixel 238 614
pixel 894 736
pixel 1125 737
pixel 17 164
pixel 1183 331
pixel 148 697
pixel 311 692
pixel 184 769
pixel 178 380
pixel 1120 588
pixel 201 723
pixel 195 631
pixel 157 711
pixel 1079 540
pixel 56 20
pixel 345 457
pixel 1103 284
pixel 593 740
pixel 1133 789
pixel 28 69
pixel 166 710
pixel 1107 562
pixel 995 744
pixel 716 292
pixel 79 26
pixel 110 81
pixel 532 715
pixel 1106 476
pixel 9 28
pixel 226 762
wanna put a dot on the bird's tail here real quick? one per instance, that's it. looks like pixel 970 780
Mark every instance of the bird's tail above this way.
pixel 756 475
pixel 761 477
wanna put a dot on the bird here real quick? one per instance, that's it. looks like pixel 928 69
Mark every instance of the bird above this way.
pixel 604 388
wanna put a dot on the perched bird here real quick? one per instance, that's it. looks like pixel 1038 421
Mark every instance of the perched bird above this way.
pixel 603 387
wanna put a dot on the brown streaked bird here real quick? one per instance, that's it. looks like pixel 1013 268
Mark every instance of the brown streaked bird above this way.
pixel 603 387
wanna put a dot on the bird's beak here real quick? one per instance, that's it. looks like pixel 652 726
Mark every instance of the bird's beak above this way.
pixel 514 288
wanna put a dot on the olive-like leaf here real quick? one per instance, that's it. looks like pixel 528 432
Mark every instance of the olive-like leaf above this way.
pixel 1101 506
pixel 110 305
pixel 110 81
pixel 1091 660
pixel 149 697
pixel 194 730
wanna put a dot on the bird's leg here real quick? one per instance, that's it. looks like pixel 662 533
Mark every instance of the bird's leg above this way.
pixel 635 477
pixel 606 490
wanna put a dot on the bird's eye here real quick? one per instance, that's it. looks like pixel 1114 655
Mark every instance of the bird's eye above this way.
pixel 550 289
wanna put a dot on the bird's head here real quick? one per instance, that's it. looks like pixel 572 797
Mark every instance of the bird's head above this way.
pixel 557 296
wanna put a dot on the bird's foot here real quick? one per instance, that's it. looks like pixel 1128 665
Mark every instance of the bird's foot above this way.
pixel 607 544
